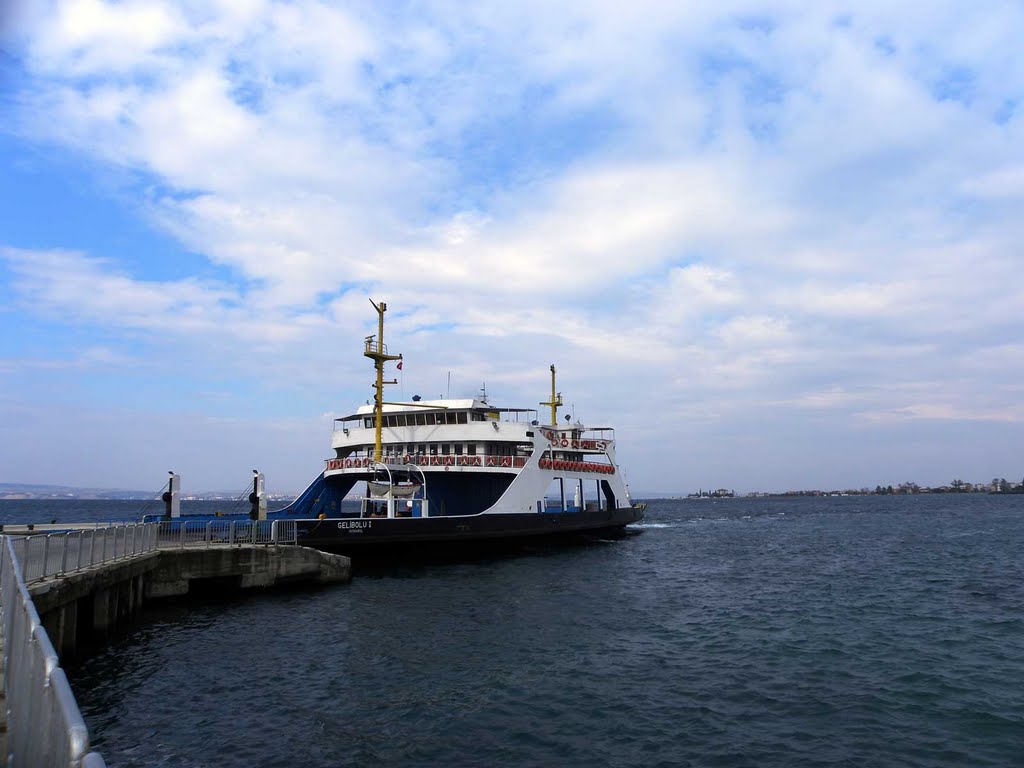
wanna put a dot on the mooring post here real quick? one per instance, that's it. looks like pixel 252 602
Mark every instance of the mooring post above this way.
pixel 258 497
pixel 172 496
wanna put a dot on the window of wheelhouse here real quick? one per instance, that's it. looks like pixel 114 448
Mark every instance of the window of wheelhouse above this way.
pixel 445 449
pixel 458 449
pixel 471 449
pixel 421 419
pixel 462 417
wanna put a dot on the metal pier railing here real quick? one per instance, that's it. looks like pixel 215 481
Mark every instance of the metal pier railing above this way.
pixel 44 725
pixel 57 554
pixel 40 723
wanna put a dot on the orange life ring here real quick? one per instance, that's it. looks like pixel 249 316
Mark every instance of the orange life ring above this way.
pixel 565 443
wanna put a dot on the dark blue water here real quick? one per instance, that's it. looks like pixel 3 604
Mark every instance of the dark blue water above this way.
pixel 839 632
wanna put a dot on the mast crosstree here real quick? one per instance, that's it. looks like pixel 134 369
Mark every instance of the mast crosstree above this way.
pixel 377 351
pixel 556 399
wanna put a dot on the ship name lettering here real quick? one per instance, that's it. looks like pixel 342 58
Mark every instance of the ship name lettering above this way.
pixel 354 524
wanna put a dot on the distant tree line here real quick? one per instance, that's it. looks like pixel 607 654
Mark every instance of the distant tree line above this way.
pixel 998 485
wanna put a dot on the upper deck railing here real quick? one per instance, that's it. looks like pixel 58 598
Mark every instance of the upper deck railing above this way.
pixel 423 460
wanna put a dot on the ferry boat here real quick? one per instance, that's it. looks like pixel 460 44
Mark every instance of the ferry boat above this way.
pixel 445 470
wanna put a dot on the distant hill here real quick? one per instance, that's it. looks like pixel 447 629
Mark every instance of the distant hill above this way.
pixel 11 491
pixel 38 491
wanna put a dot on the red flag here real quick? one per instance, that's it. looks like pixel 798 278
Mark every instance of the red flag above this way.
pixel 399 365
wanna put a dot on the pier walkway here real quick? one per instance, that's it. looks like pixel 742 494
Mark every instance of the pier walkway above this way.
pixel 81 580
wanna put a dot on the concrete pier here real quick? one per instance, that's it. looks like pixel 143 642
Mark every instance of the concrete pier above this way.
pixel 90 603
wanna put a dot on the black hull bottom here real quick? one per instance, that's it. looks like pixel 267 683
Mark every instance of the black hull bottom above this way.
pixel 435 534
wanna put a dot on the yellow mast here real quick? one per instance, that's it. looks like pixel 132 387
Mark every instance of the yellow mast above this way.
pixel 377 351
pixel 556 399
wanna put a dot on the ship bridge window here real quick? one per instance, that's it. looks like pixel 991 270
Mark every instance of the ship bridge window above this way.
pixel 429 418
pixel 368 423
pixel 450 418
pixel 421 419
pixel 471 449
pixel 444 449
pixel 477 416
pixel 458 449
pixel 461 417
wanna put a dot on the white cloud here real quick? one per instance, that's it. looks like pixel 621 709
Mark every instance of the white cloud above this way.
pixel 763 201
pixel 84 37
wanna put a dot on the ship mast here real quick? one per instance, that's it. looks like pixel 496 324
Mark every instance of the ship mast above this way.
pixel 377 351
pixel 556 399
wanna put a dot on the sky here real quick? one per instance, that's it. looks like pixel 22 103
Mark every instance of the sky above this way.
pixel 775 244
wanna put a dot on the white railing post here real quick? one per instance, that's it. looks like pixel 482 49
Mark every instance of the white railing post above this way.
pixel 231 533
pixel 64 554
pixel 46 554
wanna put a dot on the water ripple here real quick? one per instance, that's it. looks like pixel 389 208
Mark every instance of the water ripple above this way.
pixel 847 632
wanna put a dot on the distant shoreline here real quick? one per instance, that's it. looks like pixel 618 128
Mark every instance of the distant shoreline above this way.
pixel 40 492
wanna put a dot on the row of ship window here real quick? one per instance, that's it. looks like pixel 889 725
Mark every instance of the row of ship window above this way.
pixel 445 449
pixel 424 419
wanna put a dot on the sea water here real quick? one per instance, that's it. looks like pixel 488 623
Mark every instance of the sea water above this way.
pixel 855 631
